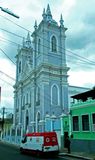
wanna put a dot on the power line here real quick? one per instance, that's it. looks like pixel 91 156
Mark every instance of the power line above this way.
pixel 11 33
pixel 77 56
pixel 48 40
pixel 15 23
pixel 6 82
pixel 83 58
pixel 7 75
pixel 8 56
pixel 10 41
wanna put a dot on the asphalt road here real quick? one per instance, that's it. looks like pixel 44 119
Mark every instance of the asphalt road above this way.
pixel 11 152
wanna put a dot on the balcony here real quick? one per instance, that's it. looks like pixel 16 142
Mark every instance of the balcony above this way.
pixel 79 103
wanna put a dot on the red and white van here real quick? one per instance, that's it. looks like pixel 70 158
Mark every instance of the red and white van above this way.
pixel 40 143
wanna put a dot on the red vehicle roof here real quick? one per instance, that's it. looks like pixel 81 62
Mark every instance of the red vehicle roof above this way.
pixel 41 134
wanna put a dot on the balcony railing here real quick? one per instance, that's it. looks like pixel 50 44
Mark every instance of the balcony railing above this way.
pixel 79 103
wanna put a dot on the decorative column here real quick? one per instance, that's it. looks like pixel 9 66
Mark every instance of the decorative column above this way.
pixel 47 122
pixel 32 123
pixel 62 130
pixel 53 118
pixel 62 124
pixel 42 124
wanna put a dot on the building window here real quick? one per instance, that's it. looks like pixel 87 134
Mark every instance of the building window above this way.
pixel 20 67
pixel 55 95
pixel 53 44
pixel 93 118
pixel 23 100
pixel 85 122
pixel 30 97
pixel 37 95
pixel 75 123
pixel 39 46
pixel 93 122
pixel 27 98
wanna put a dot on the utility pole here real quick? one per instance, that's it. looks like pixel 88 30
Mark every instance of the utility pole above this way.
pixel 9 12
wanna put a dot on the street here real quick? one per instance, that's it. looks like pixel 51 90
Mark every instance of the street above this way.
pixel 11 152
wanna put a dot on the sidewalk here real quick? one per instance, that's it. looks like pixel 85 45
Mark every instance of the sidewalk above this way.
pixel 82 155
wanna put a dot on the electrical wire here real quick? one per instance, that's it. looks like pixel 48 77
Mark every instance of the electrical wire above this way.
pixel 15 23
pixel 49 41
pixel 7 75
pixel 11 33
pixel 6 82
pixel 14 43
pixel 7 56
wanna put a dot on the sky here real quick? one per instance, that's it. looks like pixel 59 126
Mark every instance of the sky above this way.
pixel 79 18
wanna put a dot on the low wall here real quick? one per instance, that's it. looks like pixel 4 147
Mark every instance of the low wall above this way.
pixel 87 146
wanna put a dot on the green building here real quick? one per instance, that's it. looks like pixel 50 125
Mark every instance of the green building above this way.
pixel 80 122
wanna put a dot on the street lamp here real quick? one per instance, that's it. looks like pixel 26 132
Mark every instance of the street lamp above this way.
pixel 9 12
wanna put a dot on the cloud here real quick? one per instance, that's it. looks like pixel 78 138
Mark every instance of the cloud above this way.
pixel 81 24
pixel 85 78
pixel 79 18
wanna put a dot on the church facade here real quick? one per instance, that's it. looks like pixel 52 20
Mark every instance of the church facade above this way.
pixel 41 87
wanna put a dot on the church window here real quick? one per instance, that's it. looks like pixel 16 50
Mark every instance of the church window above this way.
pixel 55 95
pixel 39 46
pixel 53 44
pixel 30 98
pixel 18 103
pixel 23 100
pixel 20 67
pixel 27 98
pixel 38 95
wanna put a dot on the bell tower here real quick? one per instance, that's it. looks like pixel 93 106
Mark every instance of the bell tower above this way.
pixel 24 58
pixel 50 64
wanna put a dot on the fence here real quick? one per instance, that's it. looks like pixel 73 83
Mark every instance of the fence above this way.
pixel 14 135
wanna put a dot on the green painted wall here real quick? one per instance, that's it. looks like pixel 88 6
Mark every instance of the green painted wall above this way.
pixel 83 108
pixel 79 110
pixel 84 135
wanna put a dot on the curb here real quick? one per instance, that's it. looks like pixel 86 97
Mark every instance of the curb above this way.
pixel 75 156
pixel 11 144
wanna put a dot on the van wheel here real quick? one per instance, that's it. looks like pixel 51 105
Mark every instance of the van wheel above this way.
pixel 21 150
pixel 38 153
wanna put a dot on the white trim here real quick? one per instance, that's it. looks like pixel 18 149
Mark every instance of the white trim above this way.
pixel 92 122
pixel 38 112
pixel 56 43
pixel 89 122
pixel 78 122
pixel 57 93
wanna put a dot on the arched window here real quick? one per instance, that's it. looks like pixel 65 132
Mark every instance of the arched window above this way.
pixel 27 98
pixel 20 67
pixel 18 104
pixel 55 95
pixel 27 120
pixel 39 46
pixel 37 95
pixel 53 44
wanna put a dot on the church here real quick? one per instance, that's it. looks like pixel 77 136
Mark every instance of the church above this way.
pixel 41 87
